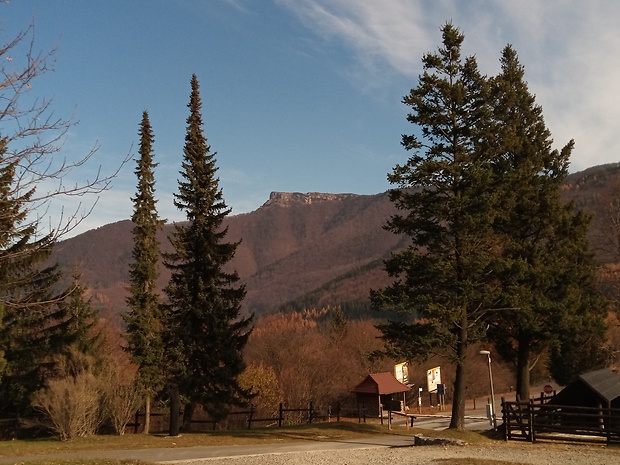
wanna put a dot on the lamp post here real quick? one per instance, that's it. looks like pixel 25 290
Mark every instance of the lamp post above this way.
pixel 493 415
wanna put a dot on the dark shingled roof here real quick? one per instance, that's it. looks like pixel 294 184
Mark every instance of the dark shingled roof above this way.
pixel 380 383
pixel 604 382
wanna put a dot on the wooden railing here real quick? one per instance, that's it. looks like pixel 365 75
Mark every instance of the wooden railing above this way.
pixel 305 414
pixel 533 420
pixel 311 415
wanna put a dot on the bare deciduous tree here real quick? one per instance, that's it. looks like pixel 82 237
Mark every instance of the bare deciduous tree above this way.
pixel 312 359
pixel 34 178
pixel 121 396
pixel 33 135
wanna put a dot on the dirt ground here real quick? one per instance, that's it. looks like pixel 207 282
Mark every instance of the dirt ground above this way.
pixel 510 453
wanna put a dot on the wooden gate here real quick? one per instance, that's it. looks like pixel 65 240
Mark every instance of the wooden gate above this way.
pixel 531 421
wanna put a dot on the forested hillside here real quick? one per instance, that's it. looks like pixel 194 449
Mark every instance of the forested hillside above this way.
pixel 307 250
pixel 597 190
pixel 297 249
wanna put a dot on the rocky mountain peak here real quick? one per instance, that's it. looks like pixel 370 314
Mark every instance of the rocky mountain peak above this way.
pixel 286 199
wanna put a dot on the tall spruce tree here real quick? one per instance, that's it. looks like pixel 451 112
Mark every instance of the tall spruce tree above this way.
pixel 26 294
pixel 444 280
pixel 547 276
pixel 204 333
pixel 144 320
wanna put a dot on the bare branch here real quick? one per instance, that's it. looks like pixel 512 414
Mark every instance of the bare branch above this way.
pixel 33 136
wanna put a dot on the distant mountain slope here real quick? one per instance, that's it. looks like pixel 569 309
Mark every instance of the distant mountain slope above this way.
pixel 291 246
pixel 305 250
pixel 596 190
pixel 299 245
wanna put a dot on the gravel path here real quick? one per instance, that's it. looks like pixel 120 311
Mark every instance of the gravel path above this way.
pixel 532 454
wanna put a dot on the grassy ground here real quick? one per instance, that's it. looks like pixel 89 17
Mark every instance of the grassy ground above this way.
pixel 320 431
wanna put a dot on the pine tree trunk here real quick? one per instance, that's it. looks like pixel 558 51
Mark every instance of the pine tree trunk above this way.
pixel 457 420
pixel 147 415
pixel 523 368
pixel 175 406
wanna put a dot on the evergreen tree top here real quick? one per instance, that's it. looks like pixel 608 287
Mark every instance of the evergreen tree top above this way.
pixel 199 192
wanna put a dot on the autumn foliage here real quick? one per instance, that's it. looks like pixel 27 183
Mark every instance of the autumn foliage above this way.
pixel 315 355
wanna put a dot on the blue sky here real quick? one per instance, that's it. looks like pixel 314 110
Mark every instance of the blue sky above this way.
pixel 298 95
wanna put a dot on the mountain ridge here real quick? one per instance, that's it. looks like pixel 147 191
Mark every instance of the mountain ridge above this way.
pixel 290 246
pixel 303 249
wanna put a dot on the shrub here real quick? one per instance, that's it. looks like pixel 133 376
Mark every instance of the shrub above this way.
pixel 262 383
pixel 121 397
pixel 71 406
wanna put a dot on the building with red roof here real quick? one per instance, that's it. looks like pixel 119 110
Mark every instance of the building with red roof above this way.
pixel 378 390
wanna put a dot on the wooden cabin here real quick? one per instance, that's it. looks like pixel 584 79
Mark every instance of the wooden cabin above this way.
pixel 600 388
pixel 379 391
pixel 593 400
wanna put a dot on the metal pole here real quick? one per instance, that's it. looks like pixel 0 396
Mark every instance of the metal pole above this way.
pixel 493 410
pixel 492 395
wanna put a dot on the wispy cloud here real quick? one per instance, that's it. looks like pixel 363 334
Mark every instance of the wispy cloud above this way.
pixel 391 33
pixel 569 50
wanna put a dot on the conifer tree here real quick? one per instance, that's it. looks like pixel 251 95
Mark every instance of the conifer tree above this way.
pixel 29 139
pixel 76 333
pixel 204 333
pixel 444 280
pixel 144 325
pixel 26 294
pixel 547 275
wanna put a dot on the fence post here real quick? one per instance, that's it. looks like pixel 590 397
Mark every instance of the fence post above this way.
pixel 250 416
pixel 135 425
pixel 280 416
pixel 531 421
pixel 504 419
pixel 607 428
pixel 310 413
pixel 338 412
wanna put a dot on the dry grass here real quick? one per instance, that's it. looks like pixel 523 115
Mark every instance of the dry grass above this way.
pixel 320 431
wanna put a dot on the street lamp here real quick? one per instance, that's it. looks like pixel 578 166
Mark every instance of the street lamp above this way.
pixel 493 416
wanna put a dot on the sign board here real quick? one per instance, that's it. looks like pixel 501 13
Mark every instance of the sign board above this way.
pixel 433 378
pixel 401 372
pixel 441 389
pixel 548 389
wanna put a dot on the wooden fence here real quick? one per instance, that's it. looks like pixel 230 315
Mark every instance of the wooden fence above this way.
pixel 309 414
pixel 534 420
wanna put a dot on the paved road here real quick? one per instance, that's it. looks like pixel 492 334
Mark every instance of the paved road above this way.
pixel 172 455
pixel 439 422
pixel 191 453
pixel 474 421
